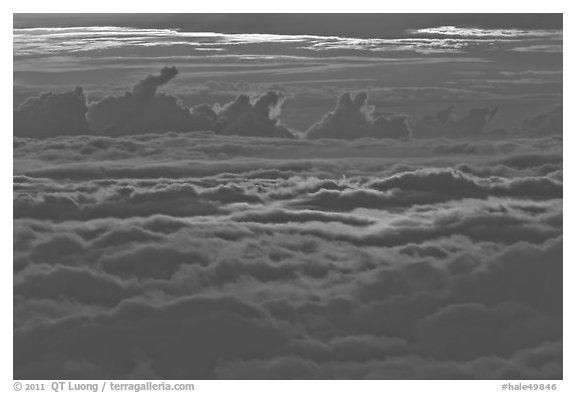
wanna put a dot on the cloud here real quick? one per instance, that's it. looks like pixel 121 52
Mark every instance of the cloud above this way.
pixel 173 169
pixel 144 110
pixel 354 118
pixel 531 160
pixel 181 339
pixel 478 226
pixel 203 255
pixel 150 262
pixel 122 201
pixel 547 123
pixel 148 86
pixel 511 274
pixel 444 123
pixel 79 284
pixel 542 362
pixel 52 114
pixel 387 311
pixel 253 118
pixel 469 330
pixel 427 186
pixel 284 216
pixel 460 185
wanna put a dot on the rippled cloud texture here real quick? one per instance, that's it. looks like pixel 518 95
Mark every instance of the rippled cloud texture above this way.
pixel 199 256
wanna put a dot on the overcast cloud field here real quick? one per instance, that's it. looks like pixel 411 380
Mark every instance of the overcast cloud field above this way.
pixel 287 196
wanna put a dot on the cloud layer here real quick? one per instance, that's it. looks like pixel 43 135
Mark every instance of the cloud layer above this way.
pixel 145 109
pixel 203 256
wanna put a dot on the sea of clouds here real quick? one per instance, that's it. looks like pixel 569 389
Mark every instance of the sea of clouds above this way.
pixel 208 254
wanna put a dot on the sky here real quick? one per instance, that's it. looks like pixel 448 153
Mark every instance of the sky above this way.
pixel 407 63
pixel 288 196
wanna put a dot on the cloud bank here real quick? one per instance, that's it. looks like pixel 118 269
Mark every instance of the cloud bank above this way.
pixel 177 263
pixel 145 110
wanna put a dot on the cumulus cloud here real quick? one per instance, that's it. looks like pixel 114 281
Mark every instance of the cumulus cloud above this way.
pixel 52 114
pixel 354 118
pixel 258 117
pixel 144 109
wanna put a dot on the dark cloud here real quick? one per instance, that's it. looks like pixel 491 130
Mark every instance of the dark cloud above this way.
pixel 204 255
pixel 444 123
pixel 52 114
pixel 253 118
pixel 144 110
pixel 471 330
pixel 543 362
pixel 150 262
pixel 460 185
pixel 126 200
pixel 173 170
pixel 531 160
pixel 182 339
pixel 284 216
pixel 511 274
pixel 486 226
pixel 548 123
pixel 79 284
pixel 148 86
pixel 226 218
pixel 354 118
pixel 426 187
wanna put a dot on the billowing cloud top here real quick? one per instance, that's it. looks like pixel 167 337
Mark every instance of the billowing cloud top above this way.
pixel 354 118
pixel 253 118
pixel 144 109
pixel 147 87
